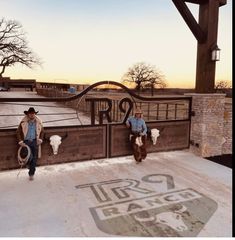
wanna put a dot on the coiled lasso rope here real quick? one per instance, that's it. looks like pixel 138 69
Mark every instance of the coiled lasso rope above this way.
pixel 23 161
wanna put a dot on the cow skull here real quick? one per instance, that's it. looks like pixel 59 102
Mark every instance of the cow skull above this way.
pixel 55 141
pixel 155 133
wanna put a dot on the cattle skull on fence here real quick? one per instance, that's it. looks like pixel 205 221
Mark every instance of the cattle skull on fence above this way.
pixel 155 133
pixel 55 141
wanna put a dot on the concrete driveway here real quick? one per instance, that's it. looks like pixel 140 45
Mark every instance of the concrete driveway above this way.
pixel 51 113
pixel 170 194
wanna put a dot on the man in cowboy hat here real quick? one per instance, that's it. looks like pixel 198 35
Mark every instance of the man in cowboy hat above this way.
pixel 138 132
pixel 30 132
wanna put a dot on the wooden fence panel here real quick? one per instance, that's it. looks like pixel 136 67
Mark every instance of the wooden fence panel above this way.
pixel 82 143
pixel 174 136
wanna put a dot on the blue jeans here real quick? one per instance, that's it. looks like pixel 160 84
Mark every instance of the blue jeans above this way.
pixel 33 157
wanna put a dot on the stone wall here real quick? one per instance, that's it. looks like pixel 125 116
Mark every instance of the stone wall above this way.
pixel 211 125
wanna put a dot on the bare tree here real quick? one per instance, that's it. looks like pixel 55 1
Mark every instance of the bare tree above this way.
pixel 222 85
pixel 225 87
pixel 157 82
pixel 144 76
pixel 14 47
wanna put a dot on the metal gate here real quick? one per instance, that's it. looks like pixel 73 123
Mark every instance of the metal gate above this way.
pixel 106 136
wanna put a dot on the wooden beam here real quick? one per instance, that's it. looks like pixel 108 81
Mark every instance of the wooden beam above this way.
pixel 196 1
pixel 221 2
pixel 199 34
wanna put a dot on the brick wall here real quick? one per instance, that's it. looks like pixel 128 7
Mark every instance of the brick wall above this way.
pixel 227 145
pixel 211 126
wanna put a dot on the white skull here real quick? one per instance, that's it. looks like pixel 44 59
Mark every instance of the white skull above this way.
pixel 154 135
pixel 173 219
pixel 55 141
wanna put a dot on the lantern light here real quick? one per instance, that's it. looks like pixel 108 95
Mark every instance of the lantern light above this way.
pixel 215 53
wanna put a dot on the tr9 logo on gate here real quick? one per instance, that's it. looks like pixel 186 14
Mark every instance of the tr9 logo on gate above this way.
pixel 107 112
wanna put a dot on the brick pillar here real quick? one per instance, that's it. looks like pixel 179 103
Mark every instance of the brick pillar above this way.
pixel 228 126
pixel 207 125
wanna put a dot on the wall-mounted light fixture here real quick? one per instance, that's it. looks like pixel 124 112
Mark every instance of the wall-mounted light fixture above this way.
pixel 215 53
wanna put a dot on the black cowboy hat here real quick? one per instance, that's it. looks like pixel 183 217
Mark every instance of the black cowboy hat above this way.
pixel 31 110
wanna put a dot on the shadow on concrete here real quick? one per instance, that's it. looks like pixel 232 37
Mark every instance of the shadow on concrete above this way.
pixel 225 160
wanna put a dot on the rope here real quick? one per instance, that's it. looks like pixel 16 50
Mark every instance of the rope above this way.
pixel 23 161
pixel 77 109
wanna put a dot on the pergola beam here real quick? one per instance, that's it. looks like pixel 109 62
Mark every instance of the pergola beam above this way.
pixel 190 20
pixel 200 2
pixel 205 32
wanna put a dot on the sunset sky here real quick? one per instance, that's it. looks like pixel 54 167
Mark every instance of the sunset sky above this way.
pixel 85 41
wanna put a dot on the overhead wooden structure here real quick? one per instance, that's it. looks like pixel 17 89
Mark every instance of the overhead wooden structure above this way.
pixel 205 32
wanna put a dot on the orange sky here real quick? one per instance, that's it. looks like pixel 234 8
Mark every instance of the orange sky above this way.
pixel 89 41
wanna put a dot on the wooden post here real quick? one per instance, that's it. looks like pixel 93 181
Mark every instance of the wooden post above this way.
pixel 205 70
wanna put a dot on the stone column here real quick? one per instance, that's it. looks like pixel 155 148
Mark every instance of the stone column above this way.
pixel 228 126
pixel 207 124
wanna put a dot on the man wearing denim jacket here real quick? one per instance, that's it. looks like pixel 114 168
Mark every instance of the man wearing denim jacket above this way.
pixel 138 135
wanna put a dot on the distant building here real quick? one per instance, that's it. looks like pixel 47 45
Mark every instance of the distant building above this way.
pixel 62 86
pixel 58 86
pixel 12 84
pixel 32 84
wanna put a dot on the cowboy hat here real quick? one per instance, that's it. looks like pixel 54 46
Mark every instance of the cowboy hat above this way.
pixel 31 110
pixel 138 110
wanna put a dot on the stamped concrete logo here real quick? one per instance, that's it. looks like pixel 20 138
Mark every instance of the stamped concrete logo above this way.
pixel 152 207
